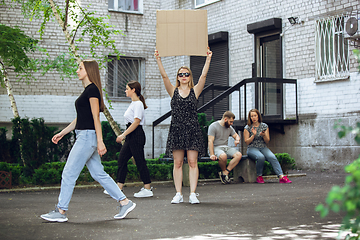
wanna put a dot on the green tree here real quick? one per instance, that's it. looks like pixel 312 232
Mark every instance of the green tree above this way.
pixel 15 48
pixel 84 24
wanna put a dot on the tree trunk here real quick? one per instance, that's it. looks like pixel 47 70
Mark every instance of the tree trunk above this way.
pixel 111 121
pixel 9 92
pixel 106 112
pixel 12 104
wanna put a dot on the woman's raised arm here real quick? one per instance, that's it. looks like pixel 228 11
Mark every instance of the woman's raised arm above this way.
pixel 168 86
pixel 200 85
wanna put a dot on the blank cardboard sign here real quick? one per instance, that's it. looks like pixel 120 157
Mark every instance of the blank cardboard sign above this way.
pixel 181 32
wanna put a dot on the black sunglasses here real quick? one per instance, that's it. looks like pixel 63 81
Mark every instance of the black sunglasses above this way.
pixel 184 74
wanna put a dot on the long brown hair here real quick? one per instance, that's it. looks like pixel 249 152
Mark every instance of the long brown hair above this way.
pixel 249 121
pixel 191 82
pixel 137 86
pixel 92 70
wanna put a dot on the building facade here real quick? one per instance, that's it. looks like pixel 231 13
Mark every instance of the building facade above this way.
pixel 248 39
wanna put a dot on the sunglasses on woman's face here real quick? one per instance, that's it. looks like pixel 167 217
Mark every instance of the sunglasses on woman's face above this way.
pixel 184 74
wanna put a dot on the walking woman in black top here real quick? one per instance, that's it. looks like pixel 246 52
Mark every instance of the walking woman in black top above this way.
pixel 88 147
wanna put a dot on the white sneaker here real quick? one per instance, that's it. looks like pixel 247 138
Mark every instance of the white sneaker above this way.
pixel 144 193
pixel 178 198
pixel 106 192
pixel 193 198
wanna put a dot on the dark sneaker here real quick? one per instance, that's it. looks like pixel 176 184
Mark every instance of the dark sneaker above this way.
pixel 284 179
pixel 260 179
pixel 125 209
pixel 224 178
pixel 55 216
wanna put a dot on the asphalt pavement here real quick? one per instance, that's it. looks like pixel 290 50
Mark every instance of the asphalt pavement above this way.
pixel 233 211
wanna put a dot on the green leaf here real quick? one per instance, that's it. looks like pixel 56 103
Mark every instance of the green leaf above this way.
pixel 341 134
pixel 350 206
pixel 335 207
pixel 319 207
pixel 357 138
pixel 324 213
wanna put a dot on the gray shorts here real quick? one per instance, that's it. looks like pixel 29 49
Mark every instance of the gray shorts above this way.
pixel 218 150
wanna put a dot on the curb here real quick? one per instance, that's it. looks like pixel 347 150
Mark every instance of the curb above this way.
pixel 133 184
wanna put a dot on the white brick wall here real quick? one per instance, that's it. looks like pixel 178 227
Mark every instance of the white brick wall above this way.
pixel 312 142
pixel 54 109
pixel 320 104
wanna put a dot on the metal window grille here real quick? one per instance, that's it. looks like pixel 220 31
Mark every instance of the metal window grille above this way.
pixel 120 72
pixel 332 53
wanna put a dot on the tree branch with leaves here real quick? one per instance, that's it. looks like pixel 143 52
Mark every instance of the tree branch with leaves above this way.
pixel 99 33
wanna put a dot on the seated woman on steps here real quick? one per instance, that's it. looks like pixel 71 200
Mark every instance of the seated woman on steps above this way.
pixel 256 136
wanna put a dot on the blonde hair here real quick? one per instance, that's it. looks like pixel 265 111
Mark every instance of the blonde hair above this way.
pixel 249 121
pixel 191 81
pixel 92 70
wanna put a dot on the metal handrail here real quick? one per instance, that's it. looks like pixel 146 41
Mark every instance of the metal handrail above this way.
pixel 227 92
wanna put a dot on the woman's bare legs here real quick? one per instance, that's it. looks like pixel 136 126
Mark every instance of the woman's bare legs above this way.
pixel 192 157
pixel 177 171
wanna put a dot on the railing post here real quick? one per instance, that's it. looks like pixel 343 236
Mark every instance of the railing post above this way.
pixel 245 102
pixel 153 140
pixel 239 103
pixel 282 100
pixel 257 93
pixel 212 97
pixel 296 101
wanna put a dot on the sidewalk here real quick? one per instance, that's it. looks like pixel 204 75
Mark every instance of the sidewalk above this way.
pixel 234 211
pixel 133 184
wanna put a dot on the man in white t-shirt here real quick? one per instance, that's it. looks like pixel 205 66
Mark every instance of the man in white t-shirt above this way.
pixel 218 135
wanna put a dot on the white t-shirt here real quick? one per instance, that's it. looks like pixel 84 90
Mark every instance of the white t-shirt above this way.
pixel 135 110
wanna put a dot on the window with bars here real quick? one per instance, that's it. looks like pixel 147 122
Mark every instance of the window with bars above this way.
pixel 332 53
pixel 129 6
pixel 120 72
pixel 200 3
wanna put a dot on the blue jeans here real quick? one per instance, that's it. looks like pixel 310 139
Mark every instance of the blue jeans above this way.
pixel 84 152
pixel 262 154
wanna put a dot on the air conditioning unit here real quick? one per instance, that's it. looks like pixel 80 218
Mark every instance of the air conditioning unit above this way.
pixel 352 27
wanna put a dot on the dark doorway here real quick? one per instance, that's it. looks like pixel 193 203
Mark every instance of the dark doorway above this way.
pixel 270 66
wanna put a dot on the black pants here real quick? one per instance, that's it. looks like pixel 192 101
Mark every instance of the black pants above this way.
pixel 133 146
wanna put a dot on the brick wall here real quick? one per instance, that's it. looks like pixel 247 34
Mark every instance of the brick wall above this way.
pixel 312 142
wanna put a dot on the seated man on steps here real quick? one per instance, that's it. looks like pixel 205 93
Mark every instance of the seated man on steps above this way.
pixel 218 135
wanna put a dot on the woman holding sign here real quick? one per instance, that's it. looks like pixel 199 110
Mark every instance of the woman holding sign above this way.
pixel 256 136
pixel 185 133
